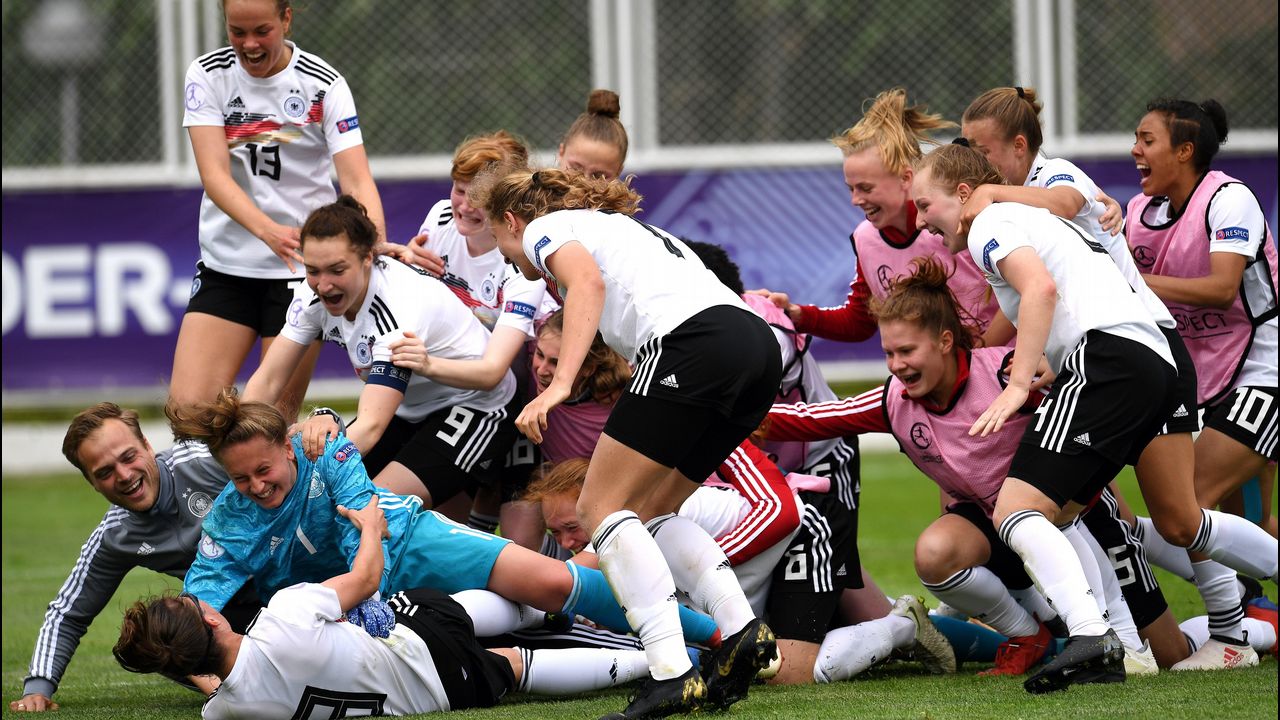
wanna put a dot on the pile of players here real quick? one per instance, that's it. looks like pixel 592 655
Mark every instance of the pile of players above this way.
pixel 539 358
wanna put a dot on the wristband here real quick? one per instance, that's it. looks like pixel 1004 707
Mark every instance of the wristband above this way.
pixel 342 427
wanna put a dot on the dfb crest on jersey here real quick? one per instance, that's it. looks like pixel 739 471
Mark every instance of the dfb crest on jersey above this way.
pixel 209 547
pixel 294 106
pixel 316 489
pixel 199 504
pixel 363 355
pixel 920 436
pixel 488 290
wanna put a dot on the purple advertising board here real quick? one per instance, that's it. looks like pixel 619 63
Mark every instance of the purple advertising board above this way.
pixel 95 282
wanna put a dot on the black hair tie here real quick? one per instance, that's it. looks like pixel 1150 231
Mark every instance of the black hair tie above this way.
pixel 1021 93
pixel 536 178
pixel 962 140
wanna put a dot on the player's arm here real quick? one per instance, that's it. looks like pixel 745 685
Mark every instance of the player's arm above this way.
pixel 851 322
pixel 574 268
pixel 378 404
pixel 1218 289
pixel 832 419
pixel 213 160
pixel 774 513
pixel 366 569
pixel 483 373
pixel 95 577
pixel 355 179
pixel 1023 269
pixel 1062 200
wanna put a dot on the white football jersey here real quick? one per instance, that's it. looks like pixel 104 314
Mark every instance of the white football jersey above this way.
pixel 1092 294
pixel 299 661
pixel 653 282
pixel 1234 206
pixel 282 132
pixel 1056 172
pixel 493 288
pixel 401 298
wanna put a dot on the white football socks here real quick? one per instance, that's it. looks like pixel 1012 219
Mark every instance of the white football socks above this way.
pixel 1052 563
pixel 567 671
pixel 978 593
pixel 700 568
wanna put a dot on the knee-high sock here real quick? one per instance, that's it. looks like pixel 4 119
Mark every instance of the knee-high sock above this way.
pixel 1261 635
pixel 1221 595
pixel 1236 543
pixel 642 584
pixel 700 568
pixel 1161 552
pixel 1052 563
pixel 970 640
pixel 978 593
pixel 593 599
pixel 1032 600
pixel 1118 612
pixel 847 651
pixel 493 614
pixel 567 671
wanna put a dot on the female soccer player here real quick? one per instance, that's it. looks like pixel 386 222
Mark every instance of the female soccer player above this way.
pixel 705 375
pixel 416 436
pixel 299 657
pixel 1202 241
pixel 267 122
pixel 1115 386
pixel 276 525
pixel 1003 124
pixel 878 152
pixel 596 143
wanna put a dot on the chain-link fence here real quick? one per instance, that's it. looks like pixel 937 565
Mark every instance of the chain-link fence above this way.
pixel 91 83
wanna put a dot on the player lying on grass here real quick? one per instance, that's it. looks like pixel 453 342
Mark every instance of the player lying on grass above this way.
pixel 300 657
pixel 157 502
pixel 276 524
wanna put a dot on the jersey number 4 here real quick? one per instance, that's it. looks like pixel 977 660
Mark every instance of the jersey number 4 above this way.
pixel 264 160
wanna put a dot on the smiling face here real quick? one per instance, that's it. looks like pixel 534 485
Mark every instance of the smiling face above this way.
pixel 256 33
pixel 337 274
pixel 590 157
pixel 509 233
pixel 881 195
pixel 546 356
pixel 1161 166
pixel 919 359
pixel 261 470
pixel 121 467
pixel 1009 155
pixel 561 515
pixel 470 221
pixel 937 210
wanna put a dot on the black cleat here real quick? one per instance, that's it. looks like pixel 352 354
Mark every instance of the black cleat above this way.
pixel 1085 659
pixel 660 698
pixel 736 663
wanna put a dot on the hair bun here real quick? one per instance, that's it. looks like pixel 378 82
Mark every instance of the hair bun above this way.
pixel 604 102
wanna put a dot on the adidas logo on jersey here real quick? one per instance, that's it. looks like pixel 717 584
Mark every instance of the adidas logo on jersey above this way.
pixel 1082 439
pixel 145 549
pixel 236 102
pixel 1181 411
pixel 670 381
pixel 275 543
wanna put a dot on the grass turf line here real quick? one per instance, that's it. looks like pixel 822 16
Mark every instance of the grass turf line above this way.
pixel 39 547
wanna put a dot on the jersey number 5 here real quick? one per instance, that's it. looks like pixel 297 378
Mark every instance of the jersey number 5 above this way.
pixel 264 160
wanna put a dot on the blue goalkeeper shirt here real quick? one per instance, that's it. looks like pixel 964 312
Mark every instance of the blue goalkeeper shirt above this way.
pixel 302 540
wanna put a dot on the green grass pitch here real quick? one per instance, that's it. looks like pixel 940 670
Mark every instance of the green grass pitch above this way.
pixel 45 519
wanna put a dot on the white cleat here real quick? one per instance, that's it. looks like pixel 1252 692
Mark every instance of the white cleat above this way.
pixel 1140 661
pixel 1219 655
pixel 932 649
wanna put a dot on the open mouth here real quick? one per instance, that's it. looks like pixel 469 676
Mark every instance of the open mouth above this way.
pixel 255 60
pixel 333 302
pixel 133 487
pixel 265 496
pixel 909 380
pixel 1144 172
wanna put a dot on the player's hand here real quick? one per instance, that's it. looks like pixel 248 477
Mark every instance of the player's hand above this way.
pixel 34 702
pixel 1004 406
pixel 369 516
pixel 980 199
pixel 1043 378
pixel 285 242
pixel 533 419
pixel 1113 217
pixel 424 258
pixel 410 353
pixel 395 250
pixel 316 431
